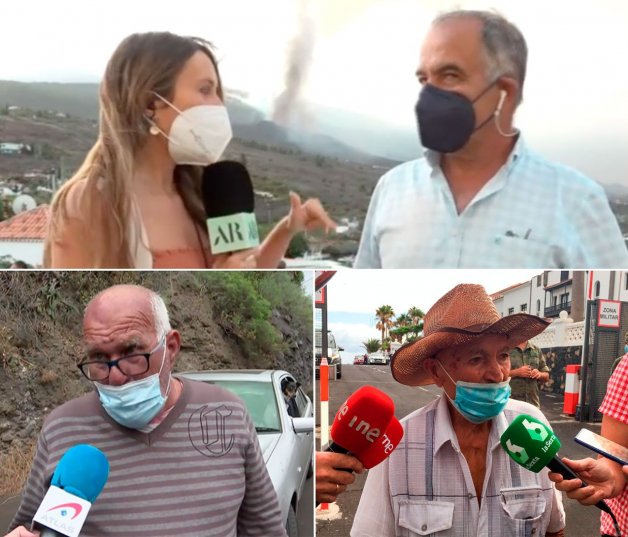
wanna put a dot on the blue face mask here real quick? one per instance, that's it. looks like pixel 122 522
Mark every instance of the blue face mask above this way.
pixel 479 402
pixel 135 403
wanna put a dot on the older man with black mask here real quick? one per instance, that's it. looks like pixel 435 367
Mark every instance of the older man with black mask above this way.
pixel 449 473
pixel 481 197
pixel 184 455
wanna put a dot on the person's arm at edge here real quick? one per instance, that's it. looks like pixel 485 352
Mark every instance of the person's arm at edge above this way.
pixel 543 369
pixel 604 477
pixel 616 431
pixel 259 512
pixel 332 478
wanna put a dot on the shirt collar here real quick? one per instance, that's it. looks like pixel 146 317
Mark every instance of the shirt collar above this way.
pixel 444 431
pixel 433 157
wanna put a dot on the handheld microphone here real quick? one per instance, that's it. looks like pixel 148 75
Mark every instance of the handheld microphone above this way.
pixel 361 420
pixel 533 445
pixel 383 447
pixel 76 482
pixel 229 203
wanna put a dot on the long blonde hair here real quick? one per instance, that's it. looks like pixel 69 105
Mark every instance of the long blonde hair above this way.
pixel 143 64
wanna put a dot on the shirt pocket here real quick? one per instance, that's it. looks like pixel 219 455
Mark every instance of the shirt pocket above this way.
pixel 522 511
pixel 517 252
pixel 423 517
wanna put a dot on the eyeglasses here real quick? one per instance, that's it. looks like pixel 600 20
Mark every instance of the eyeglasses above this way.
pixel 131 365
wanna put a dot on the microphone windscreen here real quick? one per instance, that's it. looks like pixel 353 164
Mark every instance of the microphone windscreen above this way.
pixel 362 419
pixel 383 446
pixel 83 471
pixel 227 189
pixel 530 443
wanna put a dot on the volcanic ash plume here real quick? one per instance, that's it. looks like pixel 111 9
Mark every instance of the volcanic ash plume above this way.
pixel 289 108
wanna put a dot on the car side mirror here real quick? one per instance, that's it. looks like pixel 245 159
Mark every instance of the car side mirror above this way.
pixel 340 349
pixel 303 425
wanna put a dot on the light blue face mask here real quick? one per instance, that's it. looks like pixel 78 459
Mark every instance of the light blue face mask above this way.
pixel 479 402
pixel 135 403
pixel 626 349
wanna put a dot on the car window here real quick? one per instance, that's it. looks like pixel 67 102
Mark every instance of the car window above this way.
pixel 301 402
pixel 331 341
pixel 260 401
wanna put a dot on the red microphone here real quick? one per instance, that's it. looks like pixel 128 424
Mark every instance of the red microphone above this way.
pixel 383 447
pixel 361 421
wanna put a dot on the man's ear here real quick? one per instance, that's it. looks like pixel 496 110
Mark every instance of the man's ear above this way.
pixel 432 367
pixel 173 345
pixel 511 87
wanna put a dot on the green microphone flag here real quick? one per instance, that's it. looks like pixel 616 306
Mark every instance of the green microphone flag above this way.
pixel 530 443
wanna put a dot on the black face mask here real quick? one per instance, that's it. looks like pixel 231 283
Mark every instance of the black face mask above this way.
pixel 446 119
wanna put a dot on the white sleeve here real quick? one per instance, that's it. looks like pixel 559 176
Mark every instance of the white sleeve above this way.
pixel 368 252
pixel 374 516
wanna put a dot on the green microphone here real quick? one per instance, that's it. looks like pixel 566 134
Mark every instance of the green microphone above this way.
pixel 533 445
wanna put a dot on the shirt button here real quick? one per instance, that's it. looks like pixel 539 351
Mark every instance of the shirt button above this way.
pixel 424 527
pixel 469 495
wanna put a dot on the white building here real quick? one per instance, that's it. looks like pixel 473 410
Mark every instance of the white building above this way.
pixel 551 292
pixel 514 299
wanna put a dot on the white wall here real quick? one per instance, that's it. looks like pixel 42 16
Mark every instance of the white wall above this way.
pixel 30 252
pixel 620 283
pixel 538 293
pixel 514 298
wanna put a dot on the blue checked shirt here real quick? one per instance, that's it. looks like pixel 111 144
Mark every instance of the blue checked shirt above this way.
pixel 532 214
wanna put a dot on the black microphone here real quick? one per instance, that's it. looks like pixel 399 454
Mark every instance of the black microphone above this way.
pixel 229 203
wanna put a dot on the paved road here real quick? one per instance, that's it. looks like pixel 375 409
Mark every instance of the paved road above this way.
pixel 581 521
pixel 305 511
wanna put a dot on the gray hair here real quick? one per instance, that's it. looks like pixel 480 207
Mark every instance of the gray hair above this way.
pixel 505 46
pixel 160 314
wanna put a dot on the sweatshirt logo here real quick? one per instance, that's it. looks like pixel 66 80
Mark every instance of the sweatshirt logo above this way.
pixel 213 440
pixel 65 509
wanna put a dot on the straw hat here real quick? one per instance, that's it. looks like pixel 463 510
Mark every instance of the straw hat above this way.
pixel 462 315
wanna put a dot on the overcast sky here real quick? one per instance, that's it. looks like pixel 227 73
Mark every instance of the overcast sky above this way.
pixel 364 55
pixel 353 296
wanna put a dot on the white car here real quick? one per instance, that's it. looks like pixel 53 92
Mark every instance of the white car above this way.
pixel 378 358
pixel 286 442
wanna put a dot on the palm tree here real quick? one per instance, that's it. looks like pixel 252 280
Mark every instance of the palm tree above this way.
pixel 416 324
pixel 384 316
pixel 371 345
pixel 403 320
pixel 416 314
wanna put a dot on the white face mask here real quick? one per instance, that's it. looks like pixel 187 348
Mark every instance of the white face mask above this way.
pixel 198 135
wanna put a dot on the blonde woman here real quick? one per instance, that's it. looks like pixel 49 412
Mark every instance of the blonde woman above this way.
pixel 136 200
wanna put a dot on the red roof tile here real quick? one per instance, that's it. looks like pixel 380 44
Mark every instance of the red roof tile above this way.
pixel 27 226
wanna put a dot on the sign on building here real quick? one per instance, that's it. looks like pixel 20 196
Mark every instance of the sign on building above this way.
pixel 320 296
pixel 609 314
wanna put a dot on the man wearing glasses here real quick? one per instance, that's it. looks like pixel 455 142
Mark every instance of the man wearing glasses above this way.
pixel 184 456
